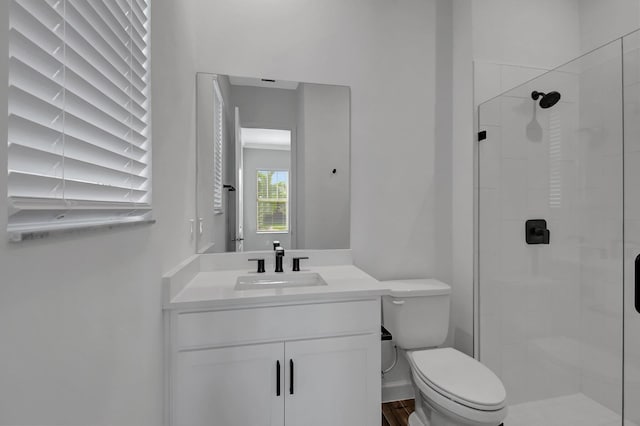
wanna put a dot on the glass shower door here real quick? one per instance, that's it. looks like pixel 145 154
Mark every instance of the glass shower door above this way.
pixel 550 311
pixel 631 49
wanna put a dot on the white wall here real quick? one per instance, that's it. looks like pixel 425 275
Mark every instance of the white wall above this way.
pixel 261 159
pixel 80 315
pixel 603 21
pixel 323 145
pixel 543 33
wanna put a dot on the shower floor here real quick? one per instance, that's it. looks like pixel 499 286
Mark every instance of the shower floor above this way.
pixel 570 410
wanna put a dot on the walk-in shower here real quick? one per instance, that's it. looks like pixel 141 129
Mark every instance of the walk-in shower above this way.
pixel 556 319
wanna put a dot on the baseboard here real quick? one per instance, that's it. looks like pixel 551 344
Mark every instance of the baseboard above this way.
pixel 397 391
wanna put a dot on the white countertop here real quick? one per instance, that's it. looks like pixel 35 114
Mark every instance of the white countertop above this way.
pixel 215 289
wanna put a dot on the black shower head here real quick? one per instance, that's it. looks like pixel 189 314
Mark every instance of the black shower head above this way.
pixel 548 100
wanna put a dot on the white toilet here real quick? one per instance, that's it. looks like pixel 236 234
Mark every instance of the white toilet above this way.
pixel 451 388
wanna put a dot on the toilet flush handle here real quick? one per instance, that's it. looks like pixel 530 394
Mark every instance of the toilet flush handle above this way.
pixel 398 302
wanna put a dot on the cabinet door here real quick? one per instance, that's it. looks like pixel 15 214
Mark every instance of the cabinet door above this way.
pixel 234 386
pixel 335 381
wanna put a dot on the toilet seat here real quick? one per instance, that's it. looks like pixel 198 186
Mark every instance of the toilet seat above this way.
pixel 459 384
pixel 470 415
pixel 459 378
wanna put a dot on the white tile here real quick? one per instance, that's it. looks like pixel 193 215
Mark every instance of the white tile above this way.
pixel 632 117
pixel 515 254
pixel 514 189
pixel 516 114
pixel 538 203
pixel 570 410
pixel 490 158
pixel 489 113
pixel 514 75
pixel 486 77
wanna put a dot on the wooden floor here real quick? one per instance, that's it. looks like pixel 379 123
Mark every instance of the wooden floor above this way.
pixel 397 413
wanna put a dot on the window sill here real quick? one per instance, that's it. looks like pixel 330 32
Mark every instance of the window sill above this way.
pixel 40 232
pixel 272 232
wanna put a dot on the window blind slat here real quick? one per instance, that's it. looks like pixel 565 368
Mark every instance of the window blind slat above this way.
pixel 22 49
pixel 81 15
pixel 28 203
pixel 95 58
pixel 36 161
pixel 34 83
pixel 34 135
pixel 84 130
pixel 77 84
pixel 40 17
pixel 141 6
pixel 24 104
pixel 31 185
pixel 94 76
pixel 110 15
pixel 48 38
pixel 90 112
pixel 118 56
pixel 47 186
pixel 31 134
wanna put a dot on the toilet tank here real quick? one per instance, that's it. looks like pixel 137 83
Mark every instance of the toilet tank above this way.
pixel 416 312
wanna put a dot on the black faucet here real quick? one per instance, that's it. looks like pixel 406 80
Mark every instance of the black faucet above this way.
pixel 279 256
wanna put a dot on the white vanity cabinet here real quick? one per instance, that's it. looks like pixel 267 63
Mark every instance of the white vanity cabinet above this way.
pixel 296 364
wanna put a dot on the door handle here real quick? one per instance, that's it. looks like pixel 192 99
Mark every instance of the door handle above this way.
pixel 637 284
pixel 290 377
pixel 277 378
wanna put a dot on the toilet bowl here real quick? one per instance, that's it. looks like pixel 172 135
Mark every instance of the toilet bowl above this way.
pixel 451 388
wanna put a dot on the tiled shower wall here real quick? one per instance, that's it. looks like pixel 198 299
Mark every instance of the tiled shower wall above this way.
pixel 527 293
pixel 542 306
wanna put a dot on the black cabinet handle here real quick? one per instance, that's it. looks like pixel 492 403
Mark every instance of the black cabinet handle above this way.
pixel 637 284
pixel 291 377
pixel 277 378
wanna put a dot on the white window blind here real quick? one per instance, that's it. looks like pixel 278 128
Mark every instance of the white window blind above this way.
pixel 272 200
pixel 218 107
pixel 78 143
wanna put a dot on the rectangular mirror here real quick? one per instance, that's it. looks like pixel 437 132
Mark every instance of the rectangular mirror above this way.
pixel 273 164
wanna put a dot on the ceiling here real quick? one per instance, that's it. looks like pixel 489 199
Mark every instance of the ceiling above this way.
pixel 266 139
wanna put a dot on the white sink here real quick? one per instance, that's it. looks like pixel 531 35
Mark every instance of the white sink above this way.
pixel 279 280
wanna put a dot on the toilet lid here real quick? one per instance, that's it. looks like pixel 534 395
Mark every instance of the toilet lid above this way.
pixel 460 378
pixel 417 287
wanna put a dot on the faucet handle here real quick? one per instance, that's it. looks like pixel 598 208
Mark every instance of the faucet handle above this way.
pixel 260 265
pixel 276 244
pixel 296 263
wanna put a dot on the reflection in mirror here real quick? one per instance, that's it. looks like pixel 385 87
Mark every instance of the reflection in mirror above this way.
pixel 273 164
